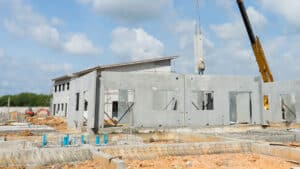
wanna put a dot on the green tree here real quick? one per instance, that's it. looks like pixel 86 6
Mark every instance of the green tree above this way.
pixel 26 99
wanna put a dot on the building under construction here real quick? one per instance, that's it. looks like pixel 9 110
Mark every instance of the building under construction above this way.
pixel 148 94
pixel 142 114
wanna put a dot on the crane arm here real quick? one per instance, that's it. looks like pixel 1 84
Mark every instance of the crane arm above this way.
pixel 259 53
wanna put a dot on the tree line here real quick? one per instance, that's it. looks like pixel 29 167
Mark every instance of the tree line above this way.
pixel 26 99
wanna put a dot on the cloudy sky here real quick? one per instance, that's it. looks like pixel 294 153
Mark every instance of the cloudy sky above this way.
pixel 40 40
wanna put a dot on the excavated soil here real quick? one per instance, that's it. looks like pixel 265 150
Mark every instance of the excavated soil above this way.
pixel 56 122
pixel 220 161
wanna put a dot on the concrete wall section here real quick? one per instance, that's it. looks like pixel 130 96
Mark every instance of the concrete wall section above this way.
pixel 283 96
pixel 85 88
pixel 158 97
pixel 168 99
pixel 61 97
pixel 221 87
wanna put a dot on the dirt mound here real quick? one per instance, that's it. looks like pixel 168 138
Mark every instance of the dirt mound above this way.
pixel 58 123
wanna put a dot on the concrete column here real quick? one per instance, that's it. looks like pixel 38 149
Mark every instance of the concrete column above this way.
pixel 101 105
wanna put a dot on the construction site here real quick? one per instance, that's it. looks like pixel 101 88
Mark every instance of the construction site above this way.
pixel 141 114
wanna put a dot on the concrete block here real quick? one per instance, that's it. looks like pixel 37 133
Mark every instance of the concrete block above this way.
pixel 109 161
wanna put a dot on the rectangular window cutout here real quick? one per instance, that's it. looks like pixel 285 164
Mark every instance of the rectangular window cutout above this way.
pixel 203 100
pixel 77 101
pixel 115 109
pixel 54 109
pixel 86 105
pixel 66 109
pixel 164 100
pixel 266 102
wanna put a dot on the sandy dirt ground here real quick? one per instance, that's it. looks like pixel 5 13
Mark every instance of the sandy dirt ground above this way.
pixel 56 122
pixel 221 161
pixel 90 164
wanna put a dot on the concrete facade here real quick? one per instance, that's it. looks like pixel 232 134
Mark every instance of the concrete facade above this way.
pixel 84 84
pixel 151 108
pixel 284 99
pixel 148 94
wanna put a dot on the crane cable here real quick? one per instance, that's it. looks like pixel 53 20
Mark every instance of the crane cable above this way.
pixel 197 12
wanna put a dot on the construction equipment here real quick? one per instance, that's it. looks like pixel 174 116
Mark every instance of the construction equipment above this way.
pixel 29 112
pixel 261 60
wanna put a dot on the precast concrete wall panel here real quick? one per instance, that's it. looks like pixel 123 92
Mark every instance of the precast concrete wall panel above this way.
pixel 85 86
pixel 144 86
pixel 153 90
pixel 221 86
pixel 276 92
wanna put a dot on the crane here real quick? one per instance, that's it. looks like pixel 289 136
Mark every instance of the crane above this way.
pixel 258 51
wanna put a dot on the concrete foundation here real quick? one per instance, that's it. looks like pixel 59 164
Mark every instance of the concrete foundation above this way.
pixel 32 128
pixel 142 152
pixel 43 156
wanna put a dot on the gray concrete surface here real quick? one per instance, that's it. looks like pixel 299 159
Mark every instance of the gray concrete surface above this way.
pixel 43 156
pixel 183 87
pixel 15 145
pixel 287 90
pixel 32 128
pixel 177 100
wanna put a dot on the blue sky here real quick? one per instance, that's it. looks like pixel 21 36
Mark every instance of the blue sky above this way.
pixel 40 40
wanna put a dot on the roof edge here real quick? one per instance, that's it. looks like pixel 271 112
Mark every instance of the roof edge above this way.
pixel 115 65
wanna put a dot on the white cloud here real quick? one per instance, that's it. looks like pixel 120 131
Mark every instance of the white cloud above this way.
pixel 48 67
pixel 258 20
pixel 236 30
pixel 25 23
pixel 39 72
pixel 80 44
pixel 282 53
pixel 184 31
pixel 229 30
pixel 56 21
pixel 46 35
pixel 129 10
pixel 135 43
pixel 225 4
pixel 289 9
pixel 233 52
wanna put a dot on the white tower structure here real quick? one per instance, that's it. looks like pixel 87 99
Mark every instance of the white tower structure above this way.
pixel 198 43
pixel 198 51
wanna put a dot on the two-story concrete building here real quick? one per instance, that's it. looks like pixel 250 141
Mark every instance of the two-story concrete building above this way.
pixel 74 95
